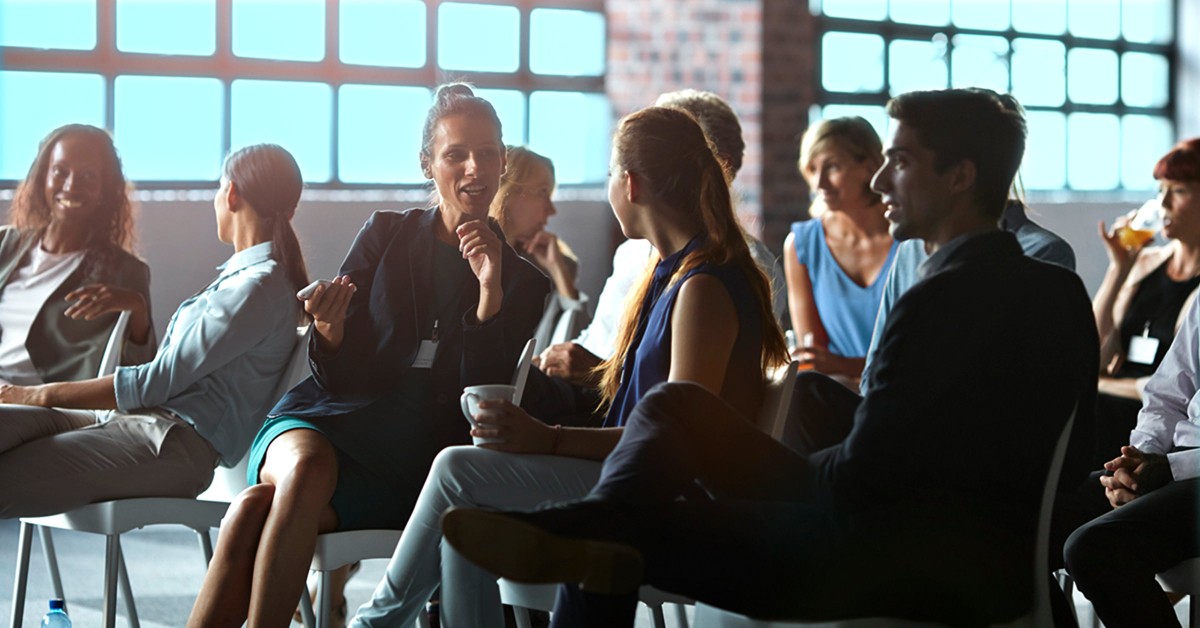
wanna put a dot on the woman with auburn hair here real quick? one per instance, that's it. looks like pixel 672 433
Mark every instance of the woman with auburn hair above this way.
pixel 836 262
pixel 66 264
pixel 523 207
pixel 160 428
pixel 1145 296
pixel 701 313
pixel 428 301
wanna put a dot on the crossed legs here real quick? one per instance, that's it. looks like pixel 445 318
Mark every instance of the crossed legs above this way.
pixel 268 536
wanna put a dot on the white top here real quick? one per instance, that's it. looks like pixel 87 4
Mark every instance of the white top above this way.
pixel 38 276
pixel 1170 416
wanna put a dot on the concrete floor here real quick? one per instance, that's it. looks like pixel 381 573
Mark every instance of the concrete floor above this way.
pixel 166 567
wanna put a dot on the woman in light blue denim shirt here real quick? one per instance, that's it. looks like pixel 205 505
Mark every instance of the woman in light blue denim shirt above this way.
pixel 159 429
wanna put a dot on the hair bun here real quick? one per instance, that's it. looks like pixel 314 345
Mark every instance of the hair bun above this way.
pixel 453 90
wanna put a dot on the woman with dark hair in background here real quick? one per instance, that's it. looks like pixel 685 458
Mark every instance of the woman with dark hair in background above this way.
pixel 428 301
pixel 66 264
pixel 160 428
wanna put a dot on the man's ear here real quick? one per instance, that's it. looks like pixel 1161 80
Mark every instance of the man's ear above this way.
pixel 963 176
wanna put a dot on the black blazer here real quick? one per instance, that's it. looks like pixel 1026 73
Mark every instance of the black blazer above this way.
pixel 391 264
pixel 979 366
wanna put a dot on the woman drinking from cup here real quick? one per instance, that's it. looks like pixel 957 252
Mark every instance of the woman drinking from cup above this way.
pixel 428 301
pixel 701 313
pixel 1146 292
pixel 159 429
pixel 66 266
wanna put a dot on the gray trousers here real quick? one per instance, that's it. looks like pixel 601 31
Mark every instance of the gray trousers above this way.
pixel 466 476
pixel 53 460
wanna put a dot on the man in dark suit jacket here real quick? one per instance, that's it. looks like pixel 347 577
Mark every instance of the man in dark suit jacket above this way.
pixel 928 509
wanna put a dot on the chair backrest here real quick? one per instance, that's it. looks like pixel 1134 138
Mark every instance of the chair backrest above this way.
pixel 521 374
pixel 776 399
pixel 570 323
pixel 1040 614
pixel 229 481
pixel 116 344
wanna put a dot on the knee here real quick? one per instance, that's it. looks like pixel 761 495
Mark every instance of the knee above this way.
pixel 252 504
pixel 450 476
pixel 671 400
pixel 1087 548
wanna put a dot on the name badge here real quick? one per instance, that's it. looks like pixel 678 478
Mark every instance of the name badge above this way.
pixel 425 355
pixel 1142 350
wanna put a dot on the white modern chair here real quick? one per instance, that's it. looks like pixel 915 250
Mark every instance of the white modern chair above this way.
pixel 1039 615
pixel 1184 578
pixel 338 549
pixel 116 517
pixel 772 416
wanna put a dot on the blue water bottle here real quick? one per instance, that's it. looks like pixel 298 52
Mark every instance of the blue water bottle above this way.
pixel 57 617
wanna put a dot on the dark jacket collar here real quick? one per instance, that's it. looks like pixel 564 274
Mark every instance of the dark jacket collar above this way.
pixel 970 247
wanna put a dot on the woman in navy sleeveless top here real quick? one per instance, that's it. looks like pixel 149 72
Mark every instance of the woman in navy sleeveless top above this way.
pixel 702 314
pixel 837 262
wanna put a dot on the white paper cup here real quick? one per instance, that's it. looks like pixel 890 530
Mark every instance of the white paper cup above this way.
pixel 471 397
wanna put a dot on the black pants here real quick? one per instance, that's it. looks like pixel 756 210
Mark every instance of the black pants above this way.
pixel 1114 557
pixel 767 546
pixel 821 413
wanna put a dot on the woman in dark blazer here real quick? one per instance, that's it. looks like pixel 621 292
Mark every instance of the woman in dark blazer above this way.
pixel 427 302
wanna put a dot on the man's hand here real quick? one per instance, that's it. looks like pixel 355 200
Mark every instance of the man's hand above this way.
pixel 570 362
pixel 23 395
pixel 1133 474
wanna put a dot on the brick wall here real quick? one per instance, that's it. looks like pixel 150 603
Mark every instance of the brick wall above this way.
pixel 756 55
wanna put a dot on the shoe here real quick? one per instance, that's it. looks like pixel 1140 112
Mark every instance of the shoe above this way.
pixel 511 546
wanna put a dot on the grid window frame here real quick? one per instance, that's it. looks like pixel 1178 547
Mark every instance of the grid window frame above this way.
pixel 945 35
pixel 108 62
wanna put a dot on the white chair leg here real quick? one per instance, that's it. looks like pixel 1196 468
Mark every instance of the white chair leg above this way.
pixel 206 547
pixel 112 556
pixel 127 592
pixel 324 596
pixel 22 576
pixel 306 609
pixel 681 615
pixel 51 557
pixel 521 614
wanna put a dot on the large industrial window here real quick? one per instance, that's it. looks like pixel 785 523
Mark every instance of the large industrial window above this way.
pixel 1095 76
pixel 343 84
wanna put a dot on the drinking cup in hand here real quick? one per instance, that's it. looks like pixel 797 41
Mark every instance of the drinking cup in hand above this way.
pixel 471 397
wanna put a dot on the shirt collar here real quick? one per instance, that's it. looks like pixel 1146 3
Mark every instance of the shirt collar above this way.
pixel 667 266
pixel 246 258
pixel 944 254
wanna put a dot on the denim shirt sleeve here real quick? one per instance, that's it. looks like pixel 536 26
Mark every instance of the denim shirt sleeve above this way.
pixel 234 316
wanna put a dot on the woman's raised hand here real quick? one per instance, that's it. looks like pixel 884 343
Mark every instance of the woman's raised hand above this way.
pixel 327 305
pixel 481 247
pixel 518 432
pixel 1118 255
pixel 98 299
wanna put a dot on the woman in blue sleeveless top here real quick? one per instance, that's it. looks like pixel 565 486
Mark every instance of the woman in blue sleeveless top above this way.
pixel 703 314
pixel 837 262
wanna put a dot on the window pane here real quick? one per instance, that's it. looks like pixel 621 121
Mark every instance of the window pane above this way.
pixel 1092 76
pixel 1144 139
pixel 510 107
pixel 566 42
pixel 1144 79
pixel 1094 18
pixel 916 65
pixel 1148 21
pixel 382 33
pixel 25 121
pixel 69 24
pixel 851 62
pixel 877 116
pixel 292 30
pixel 1039 72
pixel 979 61
pixel 379 133
pixel 1093 143
pixel 931 12
pixel 1045 163
pixel 574 130
pixel 479 37
pixel 169 128
pixel 991 15
pixel 855 9
pixel 1047 17
pixel 182 27
pixel 296 116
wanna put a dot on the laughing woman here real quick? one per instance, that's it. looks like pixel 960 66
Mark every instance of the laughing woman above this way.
pixel 428 301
